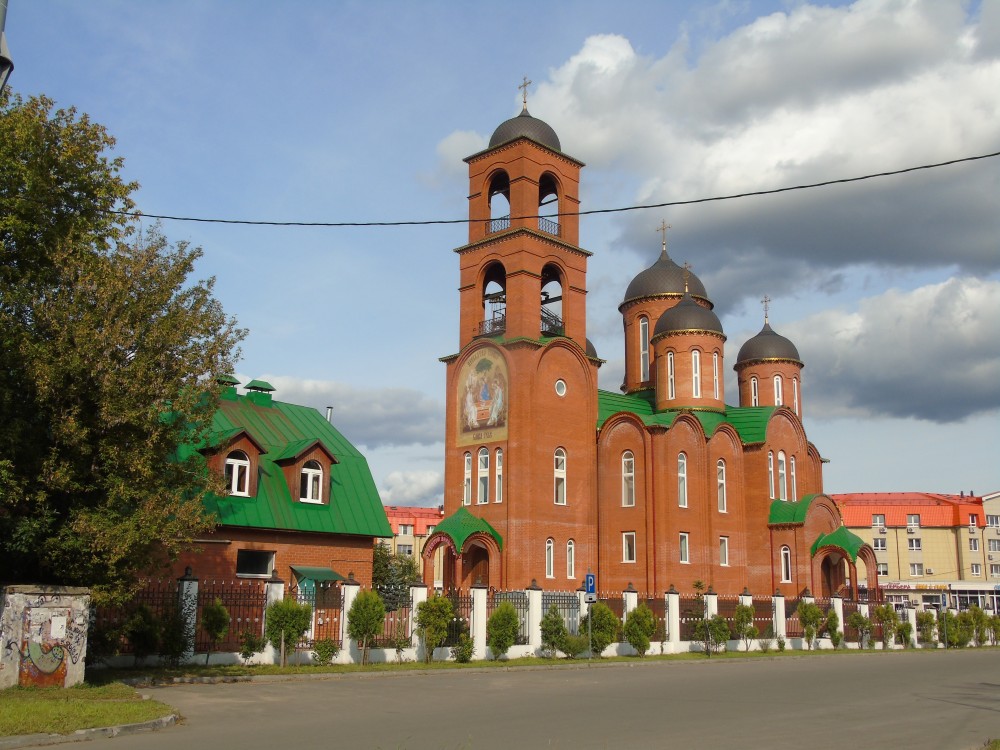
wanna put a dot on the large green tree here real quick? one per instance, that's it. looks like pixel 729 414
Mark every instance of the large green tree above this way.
pixel 107 363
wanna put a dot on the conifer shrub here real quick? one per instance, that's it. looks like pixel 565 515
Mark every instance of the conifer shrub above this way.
pixel 554 633
pixel 640 624
pixel 502 629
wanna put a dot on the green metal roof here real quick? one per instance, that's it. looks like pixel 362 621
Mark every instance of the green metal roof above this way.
pixel 318 575
pixel 260 385
pixel 785 512
pixel 750 422
pixel 842 538
pixel 283 429
pixel 461 524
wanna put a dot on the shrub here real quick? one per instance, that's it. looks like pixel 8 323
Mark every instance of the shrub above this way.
pixel 781 643
pixel 743 627
pixel 640 624
pixel 365 620
pixel 463 650
pixel 174 640
pixel 603 627
pixel 554 633
pixel 215 623
pixel 574 645
pixel 979 622
pixel 833 629
pixel 862 626
pixel 713 632
pixel 325 650
pixel 904 633
pixel 953 632
pixel 285 622
pixel 925 628
pixel 812 619
pixel 433 617
pixel 994 625
pixel 766 641
pixel 250 644
pixel 886 616
pixel 502 629
pixel 143 631
pixel 400 642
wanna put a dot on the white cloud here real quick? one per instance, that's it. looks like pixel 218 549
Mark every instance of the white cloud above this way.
pixel 413 488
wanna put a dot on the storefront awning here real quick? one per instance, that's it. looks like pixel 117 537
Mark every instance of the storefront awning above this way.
pixel 319 575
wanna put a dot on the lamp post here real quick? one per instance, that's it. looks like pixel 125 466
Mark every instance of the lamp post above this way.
pixel 6 63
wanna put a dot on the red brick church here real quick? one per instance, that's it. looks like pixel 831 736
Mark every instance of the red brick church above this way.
pixel 547 476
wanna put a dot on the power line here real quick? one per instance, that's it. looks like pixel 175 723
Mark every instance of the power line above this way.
pixel 591 212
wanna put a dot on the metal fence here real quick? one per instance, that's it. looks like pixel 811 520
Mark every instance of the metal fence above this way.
pixel 461 619
pixel 568 605
pixel 326 601
pixel 245 602
pixel 793 627
pixel 155 603
pixel 519 600
pixel 658 606
pixel 692 612
pixel 726 608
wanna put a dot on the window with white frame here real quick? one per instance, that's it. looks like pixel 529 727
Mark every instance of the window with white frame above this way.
pixel 754 392
pixel 559 475
pixel 973 545
pixel 499 477
pixel 696 374
pixel 770 474
pixel 913 544
pixel 571 559
pixel 467 483
pixel 777 390
pixel 406 529
pixel 720 483
pixel 879 544
pixel 628 547
pixel 311 482
pixel 993 544
pixel 430 529
pixel 976 569
pixel 682 481
pixel 671 379
pixel 724 551
pixel 878 520
pixel 882 569
pixel 644 348
pixel 483 477
pixel 993 521
pixel 795 394
pixel 404 549
pixel 550 558
pixel 795 483
pixel 715 375
pixel 782 477
pixel 683 548
pixel 973 521
pixel 994 571
pixel 916 569
pixel 628 479
pixel 238 473
pixel 786 565
pixel 913 521
pixel 254 563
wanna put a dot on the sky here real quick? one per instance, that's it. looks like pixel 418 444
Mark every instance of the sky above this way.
pixel 309 111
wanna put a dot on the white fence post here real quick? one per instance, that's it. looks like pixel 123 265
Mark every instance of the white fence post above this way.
pixel 778 614
pixel 711 603
pixel 479 621
pixel 274 591
pixel 838 607
pixel 630 599
pixel 350 589
pixel 187 606
pixel 673 605
pixel 534 592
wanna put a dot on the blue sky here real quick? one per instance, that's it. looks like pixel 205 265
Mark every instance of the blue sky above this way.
pixel 362 111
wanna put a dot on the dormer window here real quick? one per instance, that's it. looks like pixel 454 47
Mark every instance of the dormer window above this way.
pixel 311 482
pixel 238 474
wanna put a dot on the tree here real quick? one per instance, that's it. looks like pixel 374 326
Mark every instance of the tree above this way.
pixel 743 627
pixel 285 622
pixel 713 632
pixel 554 632
pixel 502 629
pixel 925 627
pixel 215 623
pixel 433 617
pixel 980 624
pixel 862 626
pixel 640 624
pixel 365 620
pixel 604 626
pixel 833 629
pixel 813 620
pixel 886 616
pixel 392 575
pixel 107 364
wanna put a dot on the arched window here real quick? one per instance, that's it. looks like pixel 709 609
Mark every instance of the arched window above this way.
pixel 628 479
pixel 644 349
pixel 754 392
pixel 795 488
pixel 499 470
pixel 548 204
pixel 795 394
pixel 571 559
pixel 499 198
pixel 782 477
pixel 311 482
pixel 715 374
pixel 238 473
pixel 550 555
pixel 682 480
pixel 671 386
pixel 696 374
pixel 720 481
pixel 777 390
pixel 467 484
pixel 559 473
pixel 770 474
pixel 786 565
pixel 483 492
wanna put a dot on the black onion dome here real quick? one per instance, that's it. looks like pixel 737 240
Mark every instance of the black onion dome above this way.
pixel 687 315
pixel 767 345
pixel 591 349
pixel 661 278
pixel 524 125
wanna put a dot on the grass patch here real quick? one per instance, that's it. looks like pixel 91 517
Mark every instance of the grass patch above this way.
pixel 64 710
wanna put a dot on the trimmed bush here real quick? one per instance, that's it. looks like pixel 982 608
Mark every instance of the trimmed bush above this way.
pixel 502 629
pixel 215 623
pixel 640 624
pixel 365 620
pixel 554 633
pixel 286 622
pixel 325 650
pixel 604 627
pixel 574 645
pixel 463 650
pixel 433 617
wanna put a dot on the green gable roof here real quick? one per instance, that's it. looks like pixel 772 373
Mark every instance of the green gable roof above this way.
pixel 283 430
pixel 785 512
pixel 750 422
pixel 461 524
pixel 842 538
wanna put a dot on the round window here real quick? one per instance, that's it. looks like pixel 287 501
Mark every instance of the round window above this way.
pixel 560 388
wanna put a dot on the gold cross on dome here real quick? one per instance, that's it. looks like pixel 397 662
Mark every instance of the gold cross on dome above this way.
pixel 765 302
pixel 687 275
pixel 662 229
pixel 524 91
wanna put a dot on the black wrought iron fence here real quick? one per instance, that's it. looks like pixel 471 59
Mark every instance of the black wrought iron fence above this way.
pixel 658 606
pixel 568 604
pixel 244 600
pixel 519 600
pixel 461 620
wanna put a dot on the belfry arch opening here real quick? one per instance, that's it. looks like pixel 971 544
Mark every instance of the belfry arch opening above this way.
pixel 494 300
pixel 548 204
pixel 551 301
pixel 499 197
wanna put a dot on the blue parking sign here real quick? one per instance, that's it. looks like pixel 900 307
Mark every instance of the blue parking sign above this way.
pixel 591 583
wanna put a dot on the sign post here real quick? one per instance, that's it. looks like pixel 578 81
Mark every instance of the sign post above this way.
pixel 590 597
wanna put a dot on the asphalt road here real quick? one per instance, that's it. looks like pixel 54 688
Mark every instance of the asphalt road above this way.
pixel 932 700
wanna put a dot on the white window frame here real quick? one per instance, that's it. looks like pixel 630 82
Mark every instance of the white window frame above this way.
pixel 912 521
pixel 754 392
pixel 976 570
pixel 795 394
pixel 406 529
pixel 559 476
pixel 234 475
pixel 644 348
pixel 786 564
pixel 994 570
pixel 715 375
pixel 882 569
pixel 467 483
pixel 498 498
pixel 973 522
pixel 916 570
pixel 571 559
pixel 795 484
pixel 993 521
pixel 879 544
pixel 992 545
pixel 682 489
pixel 628 547
pixel 724 551
pixel 878 520
pixel 684 548
pixel 628 479
pixel 312 477
pixel 777 390
pixel 696 374
pixel 483 477
pixel 671 377
pixel 720 483
pixel 974 544
pixel 770 474
pixel 550 558
pixel 913 544
pixel 782 477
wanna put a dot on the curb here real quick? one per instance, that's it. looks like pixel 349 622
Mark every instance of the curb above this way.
pixel 35 740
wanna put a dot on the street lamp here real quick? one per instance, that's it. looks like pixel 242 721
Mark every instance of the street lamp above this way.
pixel 6 63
